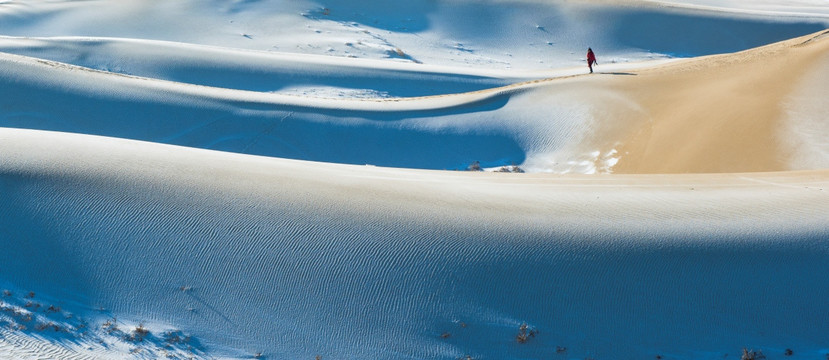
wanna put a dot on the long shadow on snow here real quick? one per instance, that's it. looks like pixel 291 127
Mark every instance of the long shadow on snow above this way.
pixel 248 71
pixel 388 83
pixel 689 34
pixel 599 291
pixel 339 136
pixel 399 16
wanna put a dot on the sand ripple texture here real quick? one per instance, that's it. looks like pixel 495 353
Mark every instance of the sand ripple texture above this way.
pixel 418 264
pixel 296 205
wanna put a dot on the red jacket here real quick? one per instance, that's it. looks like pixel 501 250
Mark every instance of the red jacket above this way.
pixel 591 59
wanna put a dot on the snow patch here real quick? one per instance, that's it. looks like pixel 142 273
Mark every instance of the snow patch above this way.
pixel 32 321
pixel 804 132
pixel 334 92
pixel 593 162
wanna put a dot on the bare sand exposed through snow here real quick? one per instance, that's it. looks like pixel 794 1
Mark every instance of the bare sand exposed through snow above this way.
pixel 407 254
pixel 715 114
pixel 262 179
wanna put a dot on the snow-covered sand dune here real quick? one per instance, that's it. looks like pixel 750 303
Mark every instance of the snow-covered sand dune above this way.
pixel 519 34
pixel 413 133
pixel 119 214
pixel 557 125
pixel 300 259
pixel 250 70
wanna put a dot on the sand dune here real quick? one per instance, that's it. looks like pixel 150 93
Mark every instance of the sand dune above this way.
pixel 318 234
pixel 720 113
pixel 714 114
pixel 289 205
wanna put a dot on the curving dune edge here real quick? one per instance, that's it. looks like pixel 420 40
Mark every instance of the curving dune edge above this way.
pixel 165 198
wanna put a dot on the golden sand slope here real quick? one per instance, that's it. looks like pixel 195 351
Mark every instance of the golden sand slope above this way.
pixel 714 114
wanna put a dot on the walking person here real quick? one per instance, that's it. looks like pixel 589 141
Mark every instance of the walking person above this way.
pixel 591 59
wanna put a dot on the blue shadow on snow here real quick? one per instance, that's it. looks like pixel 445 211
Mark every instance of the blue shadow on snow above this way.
pixel 689 35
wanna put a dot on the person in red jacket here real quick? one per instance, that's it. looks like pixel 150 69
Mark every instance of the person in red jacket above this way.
pixel 591 59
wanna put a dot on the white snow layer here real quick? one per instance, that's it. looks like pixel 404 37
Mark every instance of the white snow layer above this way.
pixel 118 214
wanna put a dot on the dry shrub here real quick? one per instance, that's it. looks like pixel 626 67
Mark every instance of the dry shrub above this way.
pixel 525 333
pixel 752 355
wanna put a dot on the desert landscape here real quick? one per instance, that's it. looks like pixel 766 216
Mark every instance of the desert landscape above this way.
pixel 431 179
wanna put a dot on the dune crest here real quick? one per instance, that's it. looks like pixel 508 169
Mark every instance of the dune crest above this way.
pixel 271 179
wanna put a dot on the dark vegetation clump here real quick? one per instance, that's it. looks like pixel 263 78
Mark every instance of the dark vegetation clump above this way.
pixel 174 337
pixel 511 169
pixel 525 333
pixel 110 326
pixel 752 355
pixel 138 334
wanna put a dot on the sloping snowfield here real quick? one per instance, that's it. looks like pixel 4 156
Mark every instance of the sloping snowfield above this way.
pixel 278 179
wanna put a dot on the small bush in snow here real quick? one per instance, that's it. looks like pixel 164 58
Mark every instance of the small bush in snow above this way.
pixel 525 333
pixel 30 304
pixel 511 169
pixel 44 326
pixel 138 334
pixel 175 337
pixel 752 355
pixel 110 326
